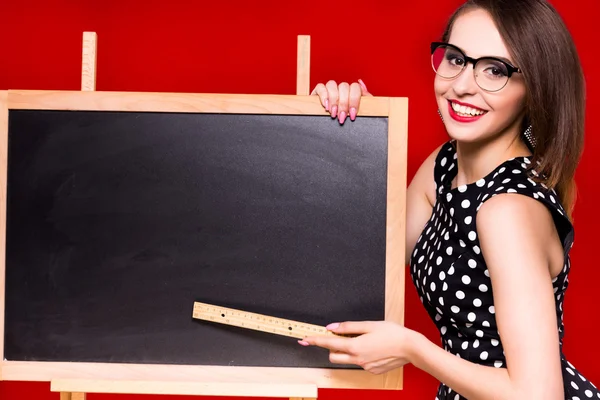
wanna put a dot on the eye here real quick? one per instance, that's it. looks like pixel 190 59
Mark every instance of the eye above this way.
pixel 455 59
pixel 493 69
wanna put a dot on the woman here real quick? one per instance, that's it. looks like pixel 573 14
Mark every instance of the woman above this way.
pixel 491 267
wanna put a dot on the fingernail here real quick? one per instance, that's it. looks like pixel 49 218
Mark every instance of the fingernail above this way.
pixel 333 111
pixel 342 117
pixel 333 326
pixel 353 113
pixel 303 343
pixel 327 104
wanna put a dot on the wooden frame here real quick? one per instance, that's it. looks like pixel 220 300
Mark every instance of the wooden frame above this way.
pixel 393 108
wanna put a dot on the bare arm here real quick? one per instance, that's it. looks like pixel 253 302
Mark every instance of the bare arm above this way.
pixel 516 234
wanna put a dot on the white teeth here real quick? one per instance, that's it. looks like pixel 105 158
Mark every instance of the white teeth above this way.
pixel 466 111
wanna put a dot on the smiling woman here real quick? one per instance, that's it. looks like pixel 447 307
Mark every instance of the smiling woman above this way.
pixel 488 213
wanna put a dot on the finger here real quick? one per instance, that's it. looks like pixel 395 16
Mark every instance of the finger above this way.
pixel 352 327
pixel 340 358
pixel 332 343
pixel 363 87
pixel 321 91
pixel 333 95
pixel 354 100
pixel 343 109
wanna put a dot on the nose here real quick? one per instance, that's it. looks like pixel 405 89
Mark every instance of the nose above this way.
pixel 464 83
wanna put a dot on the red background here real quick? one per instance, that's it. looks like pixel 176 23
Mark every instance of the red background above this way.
pixel 250 47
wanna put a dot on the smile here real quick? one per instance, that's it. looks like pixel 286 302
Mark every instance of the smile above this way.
pixel 464 113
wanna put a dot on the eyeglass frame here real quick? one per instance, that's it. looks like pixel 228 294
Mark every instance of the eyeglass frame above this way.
pixel 511 69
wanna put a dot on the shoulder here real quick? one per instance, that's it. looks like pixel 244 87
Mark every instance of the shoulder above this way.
pixel 511 196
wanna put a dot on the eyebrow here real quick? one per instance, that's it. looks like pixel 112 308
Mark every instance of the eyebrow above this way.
pixel 506 60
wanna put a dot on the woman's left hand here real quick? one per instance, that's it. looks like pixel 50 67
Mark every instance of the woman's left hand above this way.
pixel 379 347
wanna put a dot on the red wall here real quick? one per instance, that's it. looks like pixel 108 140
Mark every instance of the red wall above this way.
pixel 238 47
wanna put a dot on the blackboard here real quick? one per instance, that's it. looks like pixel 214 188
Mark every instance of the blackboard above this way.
pixel 118 221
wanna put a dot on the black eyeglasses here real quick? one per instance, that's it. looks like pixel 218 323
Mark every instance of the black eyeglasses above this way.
pixel 491 73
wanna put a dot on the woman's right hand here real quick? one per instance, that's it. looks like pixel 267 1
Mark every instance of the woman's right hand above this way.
pixel 341 100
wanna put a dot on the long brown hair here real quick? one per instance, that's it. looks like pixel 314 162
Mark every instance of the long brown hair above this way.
pixel 543 49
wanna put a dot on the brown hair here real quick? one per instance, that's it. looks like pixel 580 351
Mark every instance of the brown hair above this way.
pixel 543 49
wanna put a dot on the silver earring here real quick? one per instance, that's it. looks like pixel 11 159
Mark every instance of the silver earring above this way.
pixel 440 114
pixel 529 136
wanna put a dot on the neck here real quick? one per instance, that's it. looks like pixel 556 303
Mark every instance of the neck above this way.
pixel 476 160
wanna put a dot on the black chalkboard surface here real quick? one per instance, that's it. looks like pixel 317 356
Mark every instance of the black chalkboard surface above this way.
pixel 118 221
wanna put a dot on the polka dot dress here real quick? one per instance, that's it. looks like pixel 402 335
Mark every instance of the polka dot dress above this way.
pixel 451 275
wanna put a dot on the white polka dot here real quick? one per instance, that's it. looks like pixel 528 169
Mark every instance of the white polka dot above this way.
pixel 492 310
pixel 462 244
pixel 441 300
pixel 443 330
pixel 432 286
pixel 451 271
pixel 486 273
pixel 465 345
pixel 449 196
pixel 480 182
pixel 450 343
pixel 471 317
pixel 472 235
pixel 574 386
pixel 506 180
pixel 479 333
pixel 466 279
pixel 445 287
pixel 462 188
pixel 442 276
pixel 521 186
pixel 457 397
pixel 569 370
pixel 476 344
pixel 495 342
pixel 483 288
pixel 516 171
pixel 421 259
pixel 465 204
pixel 484 355
pixel 491 184
pixel 477 303
pixel 501 170
pixel 438 317
pixel 449 250
pixel 439 260
pixel 476 249
pixel 581 377
pixel 589 393
pixel 460 295
pixel 443 162
pixel 455 309
pixel 511 191
pixel 497 364
pixel 468 220
pixel 472 263
pixel 452 212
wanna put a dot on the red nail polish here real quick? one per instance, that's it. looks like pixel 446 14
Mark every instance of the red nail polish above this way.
pixel 353 113
pixel 303 343
pixel 333 111
pixel 342 117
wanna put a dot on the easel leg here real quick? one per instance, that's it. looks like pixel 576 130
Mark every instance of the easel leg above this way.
pixel 72 396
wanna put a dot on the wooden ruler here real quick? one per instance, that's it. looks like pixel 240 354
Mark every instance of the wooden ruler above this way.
pixel 257 322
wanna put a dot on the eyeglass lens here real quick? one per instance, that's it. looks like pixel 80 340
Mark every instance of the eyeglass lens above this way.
pixel 490 74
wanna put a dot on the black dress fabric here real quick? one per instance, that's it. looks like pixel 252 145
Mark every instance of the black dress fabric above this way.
pixel 451 276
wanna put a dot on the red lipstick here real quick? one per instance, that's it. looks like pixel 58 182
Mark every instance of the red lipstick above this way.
pixel 460 118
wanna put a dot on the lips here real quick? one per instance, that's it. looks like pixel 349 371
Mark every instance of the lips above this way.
pixel 464 112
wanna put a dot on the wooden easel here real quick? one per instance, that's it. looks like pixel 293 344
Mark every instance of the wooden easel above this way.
pixel 76 389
